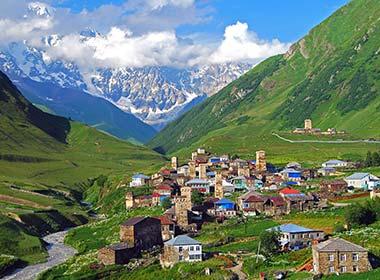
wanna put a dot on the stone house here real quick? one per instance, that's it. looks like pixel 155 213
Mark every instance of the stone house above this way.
pixel 119 253
pixel 295 237
pixel 337 255
pixel 132 201
pixel 275 206
pixel 143 233
pixel 181 249
pixel 336 186
pixel 252 204
pixel 168 228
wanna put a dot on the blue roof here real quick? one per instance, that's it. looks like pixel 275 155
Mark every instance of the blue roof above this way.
pixel 140 176
pixel 224 201
pixel 210 174
pixel 357 176
pixel 182 240
pixel 291 228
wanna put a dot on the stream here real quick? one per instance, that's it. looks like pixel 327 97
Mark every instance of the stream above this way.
pixel 58 253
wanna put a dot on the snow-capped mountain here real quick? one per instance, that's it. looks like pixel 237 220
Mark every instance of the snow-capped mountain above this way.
pixel 156 95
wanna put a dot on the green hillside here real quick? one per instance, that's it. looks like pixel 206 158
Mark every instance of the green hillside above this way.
pixel 47 163
pixel 331 76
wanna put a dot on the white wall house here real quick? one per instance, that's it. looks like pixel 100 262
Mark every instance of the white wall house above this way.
pixel 335 163
pixel 139 180
pixel 365 181
pixel 200 185
pixel 183 249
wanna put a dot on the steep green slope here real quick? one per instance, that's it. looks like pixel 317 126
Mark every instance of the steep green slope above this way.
pixel 331 76
pixel 46 165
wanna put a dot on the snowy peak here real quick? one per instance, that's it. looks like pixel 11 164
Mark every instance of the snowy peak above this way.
pixel 40 9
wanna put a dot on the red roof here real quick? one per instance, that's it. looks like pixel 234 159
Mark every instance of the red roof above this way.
pixel 156 195
pixel 254 198
pixel 165 172
pixel 165 220
pixel 289 190
pixel 277 200
pixel 164 188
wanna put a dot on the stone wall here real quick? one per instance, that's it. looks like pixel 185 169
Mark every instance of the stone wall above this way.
pixel 322 262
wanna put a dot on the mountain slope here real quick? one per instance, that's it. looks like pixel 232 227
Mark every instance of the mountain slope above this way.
pixel 46 165
pixel 85 108
pixel 156 95
pixel 330 76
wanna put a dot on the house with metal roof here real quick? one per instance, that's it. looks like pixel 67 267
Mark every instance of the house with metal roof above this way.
pixel 291 174
pixel 295 237
pixel 338 255
pixel 181 249
pixel 139 180
pixel 200 185
pixel 364 181
pixel 335 163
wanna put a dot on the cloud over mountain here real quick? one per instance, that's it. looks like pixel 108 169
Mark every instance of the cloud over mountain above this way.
pixel 134 34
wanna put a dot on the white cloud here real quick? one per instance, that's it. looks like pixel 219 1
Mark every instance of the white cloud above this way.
pixel 241 44
pixel 137 33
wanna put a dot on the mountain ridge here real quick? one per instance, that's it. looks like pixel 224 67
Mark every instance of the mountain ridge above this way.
pixel 318 78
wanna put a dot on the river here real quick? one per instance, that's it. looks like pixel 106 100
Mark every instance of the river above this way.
pixel 58 253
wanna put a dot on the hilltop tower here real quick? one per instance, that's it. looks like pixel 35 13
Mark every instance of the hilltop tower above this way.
pixel 186 192
pixel 261 163
pixel 308 124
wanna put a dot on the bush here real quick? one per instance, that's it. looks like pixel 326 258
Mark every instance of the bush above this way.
pixel 358 215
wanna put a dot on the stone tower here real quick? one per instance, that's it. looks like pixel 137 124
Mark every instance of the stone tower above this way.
pixel 202 171
pixel 308 124
pixel 129 201
pixel 186 192
pixel 194 156
pixel 192 169
pixel 244 171
pixel 261 163
pixel 219 192
pixel 181 210
pixel 174 163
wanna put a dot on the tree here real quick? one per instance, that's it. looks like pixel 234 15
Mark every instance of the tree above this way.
pixel 376 159
pixel 269 243
pixel 357 215
pixel 368 159
pixel 166 203
pixel 101 181
pixel 196 198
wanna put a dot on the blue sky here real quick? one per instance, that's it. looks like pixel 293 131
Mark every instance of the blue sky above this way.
pixel 178 33
pixel 287 20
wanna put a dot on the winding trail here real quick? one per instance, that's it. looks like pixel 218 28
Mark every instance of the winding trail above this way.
pixel 58 253
pixel 327 141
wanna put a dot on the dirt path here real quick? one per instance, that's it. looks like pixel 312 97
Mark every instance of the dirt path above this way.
pixel 326 141
pixel 58 253
pixel 238 270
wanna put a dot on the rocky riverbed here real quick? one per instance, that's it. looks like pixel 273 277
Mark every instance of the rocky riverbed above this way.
pixel 58 253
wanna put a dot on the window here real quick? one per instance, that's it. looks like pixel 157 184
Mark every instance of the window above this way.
pixel 191 248
pixel 343 269
pixel 180 249
pixel 343 257
pixel 355 268
pixel 197 248
pixel 355 257
pixel 331 257
pixel 293 236
pixel 331 269
pixel 317 234
pixel 180 258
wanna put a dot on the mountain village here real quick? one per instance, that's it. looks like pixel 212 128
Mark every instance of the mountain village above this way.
pixel 213 189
